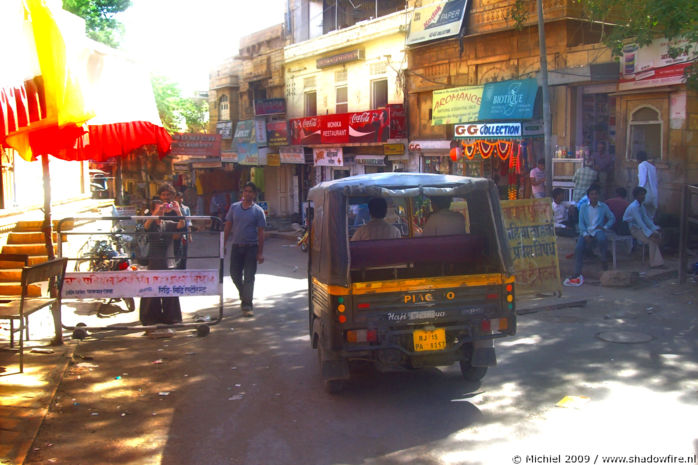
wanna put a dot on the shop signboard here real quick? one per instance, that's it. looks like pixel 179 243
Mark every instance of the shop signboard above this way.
pixel 370 126
pixel 260 130
pixel 229 157
pixel 277 133
pixel 292 154
pixel 246 143
pixel 508 100
pixel 653 65
pixel 394 149
pixel 487 130
pixel 437 20
pixel 371 160
pixel 273 159
pixel 530 232
pixel 328 156
pixel 398 121
pixel 247 153
pixel 457 105
pixel 196 145
pixel 225 129
pixel 270 106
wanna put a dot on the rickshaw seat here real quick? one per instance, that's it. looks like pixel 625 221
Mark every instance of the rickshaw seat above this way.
pixel 462 248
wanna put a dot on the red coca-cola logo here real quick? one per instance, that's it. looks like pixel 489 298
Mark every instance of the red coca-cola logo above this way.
pixel 310 123
pixel 364 117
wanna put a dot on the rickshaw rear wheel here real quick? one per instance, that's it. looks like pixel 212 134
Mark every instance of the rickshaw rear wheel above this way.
pixel 471 373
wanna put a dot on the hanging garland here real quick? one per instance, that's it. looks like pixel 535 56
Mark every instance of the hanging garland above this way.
pixel 486 148
pixel 504 148
pixel 469 150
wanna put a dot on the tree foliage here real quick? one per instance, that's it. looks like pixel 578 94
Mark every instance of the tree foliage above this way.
pixel 642 21
pixel 638 21
pixel 178 113
pixel 99 16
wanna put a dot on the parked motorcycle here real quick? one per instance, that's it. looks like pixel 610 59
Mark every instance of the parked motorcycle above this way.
pixel 303 239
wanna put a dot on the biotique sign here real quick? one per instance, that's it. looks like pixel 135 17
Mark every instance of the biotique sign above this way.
pixel 494 130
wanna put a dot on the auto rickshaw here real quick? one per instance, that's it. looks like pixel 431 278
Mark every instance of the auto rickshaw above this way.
pixel 420 299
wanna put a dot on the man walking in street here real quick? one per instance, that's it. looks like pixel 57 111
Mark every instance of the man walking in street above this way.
pixel 594 219
pixel 643 228
pixel 246 221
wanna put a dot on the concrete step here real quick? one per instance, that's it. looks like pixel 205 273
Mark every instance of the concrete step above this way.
pixel 10 275
pixel 15 289
pixel 30 238
pixel 27 249
pixel 32 260
pixel 35 225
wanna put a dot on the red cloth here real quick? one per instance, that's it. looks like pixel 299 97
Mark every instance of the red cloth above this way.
pixel 117 139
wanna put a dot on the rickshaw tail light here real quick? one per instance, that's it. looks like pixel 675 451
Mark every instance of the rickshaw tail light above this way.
pixel 497 324
pixel 492 296
pixel 363 306
pixel 361 335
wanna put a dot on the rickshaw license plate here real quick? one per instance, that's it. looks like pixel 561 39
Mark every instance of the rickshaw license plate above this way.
pixel 424 340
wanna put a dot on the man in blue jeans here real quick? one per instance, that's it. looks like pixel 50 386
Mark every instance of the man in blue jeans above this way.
pixel 595 218
pixel 246 221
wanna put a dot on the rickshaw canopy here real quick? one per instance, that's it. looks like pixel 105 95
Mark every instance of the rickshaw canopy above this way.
pixel 330 213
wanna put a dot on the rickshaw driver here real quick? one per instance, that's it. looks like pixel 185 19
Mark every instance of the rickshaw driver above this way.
pixel 377 227
pixel 443 222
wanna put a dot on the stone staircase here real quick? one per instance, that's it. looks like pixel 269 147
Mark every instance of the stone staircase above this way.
pixel 25 239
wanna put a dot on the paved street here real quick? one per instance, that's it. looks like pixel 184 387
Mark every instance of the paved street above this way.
pixel 250 392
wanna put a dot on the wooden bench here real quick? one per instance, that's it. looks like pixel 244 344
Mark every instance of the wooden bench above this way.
pixel 19 308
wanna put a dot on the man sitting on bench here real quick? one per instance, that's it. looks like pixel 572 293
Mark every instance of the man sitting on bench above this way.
pixel 377 227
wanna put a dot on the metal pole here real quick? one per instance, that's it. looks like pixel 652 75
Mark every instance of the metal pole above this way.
pixel 683 232
pixel 547 124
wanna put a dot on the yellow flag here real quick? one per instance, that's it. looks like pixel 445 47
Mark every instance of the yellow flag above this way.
pixel 65 106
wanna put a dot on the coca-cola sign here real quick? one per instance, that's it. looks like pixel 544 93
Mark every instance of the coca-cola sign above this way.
pixel 371 126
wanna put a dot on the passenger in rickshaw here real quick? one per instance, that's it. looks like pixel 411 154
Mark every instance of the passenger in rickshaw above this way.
pixel 377 227
pixel 443 221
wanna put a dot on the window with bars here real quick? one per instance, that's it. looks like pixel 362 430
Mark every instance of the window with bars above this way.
pixel 223 108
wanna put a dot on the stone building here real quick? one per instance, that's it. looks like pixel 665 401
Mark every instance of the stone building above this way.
pixel 593 100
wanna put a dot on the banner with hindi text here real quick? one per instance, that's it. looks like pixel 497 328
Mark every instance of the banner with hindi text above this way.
pixel 531 235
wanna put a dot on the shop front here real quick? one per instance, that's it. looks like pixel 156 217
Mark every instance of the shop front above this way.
pixel 656 115
pixel 487 124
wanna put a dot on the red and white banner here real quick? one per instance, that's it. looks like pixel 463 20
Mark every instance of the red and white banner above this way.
pixel 370 126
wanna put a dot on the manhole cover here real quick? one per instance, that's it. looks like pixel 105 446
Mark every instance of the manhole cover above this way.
pixel 624 337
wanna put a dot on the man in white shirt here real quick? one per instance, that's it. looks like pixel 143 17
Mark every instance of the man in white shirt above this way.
pixel 647 178
pixel 537 176
pixel 642 227
pixel 564 215
pixel 377 227
pixel 443 222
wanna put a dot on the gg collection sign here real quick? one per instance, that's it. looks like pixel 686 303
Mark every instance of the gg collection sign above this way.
pixel 484 130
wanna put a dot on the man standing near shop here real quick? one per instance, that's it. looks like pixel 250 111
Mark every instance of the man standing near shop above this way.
pixel 647 179
pixel 246 221
pixel 537 176
pixel 583 178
